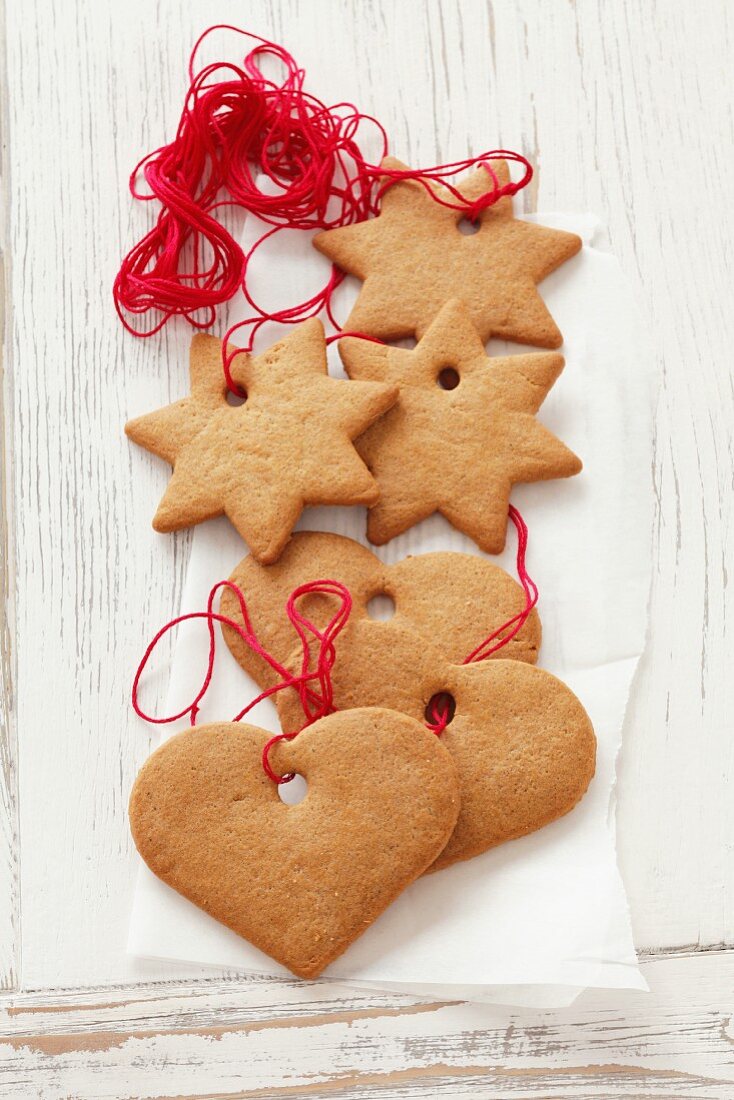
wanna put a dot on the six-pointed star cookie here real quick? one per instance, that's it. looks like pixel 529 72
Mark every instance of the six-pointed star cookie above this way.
pixel 289 444
pixel 413 258
pixel 462 432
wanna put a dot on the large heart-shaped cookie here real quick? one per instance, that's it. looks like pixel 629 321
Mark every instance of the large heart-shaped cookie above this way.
pixel 300 882
pixel 523 745
pixel 453 600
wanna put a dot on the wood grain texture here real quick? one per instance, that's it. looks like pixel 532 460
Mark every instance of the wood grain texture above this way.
pixel 287 1039
pixel 9 837
pixel 658 96
pixel 626 110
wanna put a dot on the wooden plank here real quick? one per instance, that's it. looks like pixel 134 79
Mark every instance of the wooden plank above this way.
pixel 9 838
pixel 627 111
pixel 673 790
pixel 609 99
pixel 253 1039
pixel 92 580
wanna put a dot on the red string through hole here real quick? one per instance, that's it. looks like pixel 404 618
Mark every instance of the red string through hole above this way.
pixel 441 707
pixel 439 711
pixel 236 397
pixel 467 228
pixel 313 685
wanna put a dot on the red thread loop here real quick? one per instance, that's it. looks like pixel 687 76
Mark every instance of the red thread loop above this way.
pixel 313 686
pixel 498 639
pixel 503 634
pixel 236 123
pixel 440 716
pixel 324 698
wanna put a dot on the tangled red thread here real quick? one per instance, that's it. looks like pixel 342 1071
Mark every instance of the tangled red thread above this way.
pixel 236 125
pixel 312 685
pixel 440 707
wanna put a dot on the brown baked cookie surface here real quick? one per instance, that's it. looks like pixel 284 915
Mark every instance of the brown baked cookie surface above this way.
pixel 525 751
pixel 462 432
pixel 453 600
pixel 413 258
pixel 523 745
pixel 288 446
pixel 299 882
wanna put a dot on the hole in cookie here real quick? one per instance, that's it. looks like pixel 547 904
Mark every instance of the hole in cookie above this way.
pixel 294 792
pixel 439 705
pixel 467 227
pixel 406 342
pixel 448 378
pixel 236 399
pixel 381 607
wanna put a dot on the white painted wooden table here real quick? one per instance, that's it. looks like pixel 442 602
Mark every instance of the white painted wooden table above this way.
pixel 626 109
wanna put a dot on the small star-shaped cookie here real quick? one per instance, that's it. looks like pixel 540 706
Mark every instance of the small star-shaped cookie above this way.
pixel 413 258
pixel 462 432
pixel 289 445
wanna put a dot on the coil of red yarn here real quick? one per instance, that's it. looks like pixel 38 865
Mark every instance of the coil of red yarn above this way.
pixel 237 128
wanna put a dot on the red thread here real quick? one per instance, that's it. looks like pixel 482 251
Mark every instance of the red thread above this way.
pixel 316 701
pixel 237 122
pixel 494 642
pixel 440 717
pixel 341 335
pixel 498 638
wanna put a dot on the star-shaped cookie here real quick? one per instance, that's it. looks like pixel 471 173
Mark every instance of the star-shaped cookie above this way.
pixel 289 445
pixel 462 432
pixel 413 258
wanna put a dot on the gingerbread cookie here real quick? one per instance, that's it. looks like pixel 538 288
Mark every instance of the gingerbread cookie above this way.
pixel 300 882
pixel 462 433
pixel 453 600
pixel 523 745
pixel 288 446
pixel 413 257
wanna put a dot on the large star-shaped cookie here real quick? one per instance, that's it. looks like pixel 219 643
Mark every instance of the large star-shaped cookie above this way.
pixel 462 432
pixel 289 445
pixel 413 258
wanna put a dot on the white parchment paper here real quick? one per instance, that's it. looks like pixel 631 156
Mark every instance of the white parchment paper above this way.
pixel 538 919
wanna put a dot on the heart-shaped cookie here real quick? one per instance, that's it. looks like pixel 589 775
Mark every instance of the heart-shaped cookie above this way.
pixel 451 599
pixel 523 745
pixel 300 882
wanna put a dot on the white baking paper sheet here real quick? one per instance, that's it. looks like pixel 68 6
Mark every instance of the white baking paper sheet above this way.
pixel 538 919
